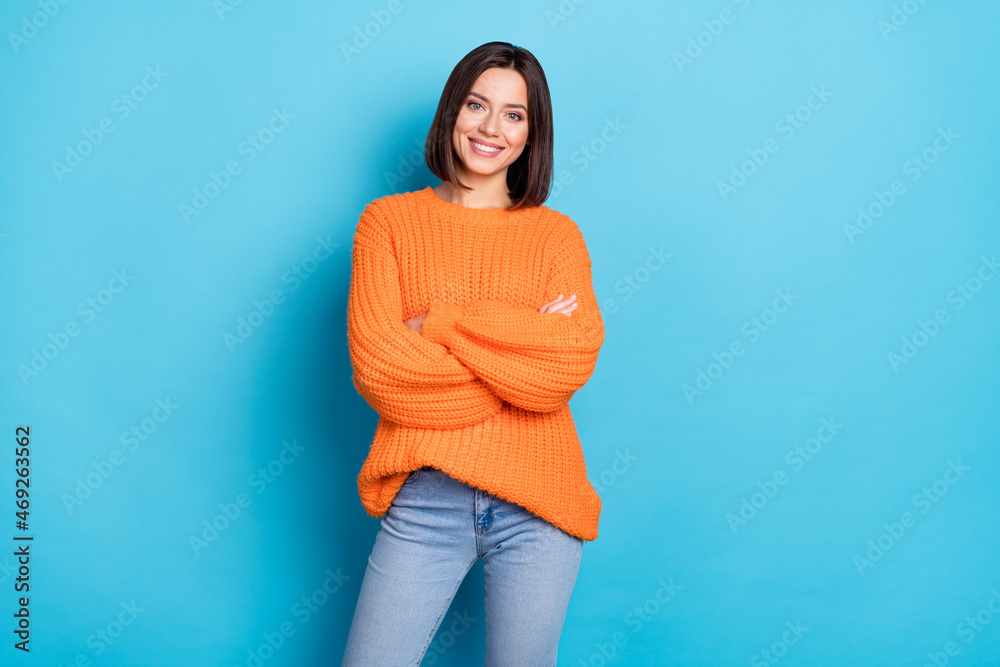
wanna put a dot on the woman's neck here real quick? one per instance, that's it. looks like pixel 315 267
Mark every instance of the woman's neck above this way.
pixel 482 195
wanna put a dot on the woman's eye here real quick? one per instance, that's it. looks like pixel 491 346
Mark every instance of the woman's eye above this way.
pixel 473 105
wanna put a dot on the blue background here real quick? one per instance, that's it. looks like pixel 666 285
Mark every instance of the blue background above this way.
pixel 643 140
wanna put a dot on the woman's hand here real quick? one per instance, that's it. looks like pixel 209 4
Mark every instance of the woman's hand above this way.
pixel 416 323
pixel 560 305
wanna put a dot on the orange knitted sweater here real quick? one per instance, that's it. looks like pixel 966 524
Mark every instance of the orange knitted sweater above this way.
pixel 482 392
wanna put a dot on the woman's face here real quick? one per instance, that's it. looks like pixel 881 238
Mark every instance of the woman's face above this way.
pixel 495 114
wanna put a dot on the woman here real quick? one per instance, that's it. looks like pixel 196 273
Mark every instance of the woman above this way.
pixel 475 453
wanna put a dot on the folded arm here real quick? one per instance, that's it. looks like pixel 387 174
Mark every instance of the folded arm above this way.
pixel 404 377
pixel 533 360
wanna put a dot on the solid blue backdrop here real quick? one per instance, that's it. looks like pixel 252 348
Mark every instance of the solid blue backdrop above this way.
pixel 791 210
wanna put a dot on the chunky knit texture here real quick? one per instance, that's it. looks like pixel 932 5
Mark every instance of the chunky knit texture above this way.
pixel 482 392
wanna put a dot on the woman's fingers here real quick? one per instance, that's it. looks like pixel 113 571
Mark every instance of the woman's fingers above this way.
pixel 554 301
pixel 569 299
pixel 546 306
pixel 560 305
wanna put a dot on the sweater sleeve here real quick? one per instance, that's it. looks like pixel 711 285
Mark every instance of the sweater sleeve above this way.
pixel 533 360
pixel 404 377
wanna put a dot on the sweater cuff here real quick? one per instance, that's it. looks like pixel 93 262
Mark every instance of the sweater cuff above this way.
pixel 440 322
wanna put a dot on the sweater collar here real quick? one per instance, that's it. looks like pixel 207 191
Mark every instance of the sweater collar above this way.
pixel 457 211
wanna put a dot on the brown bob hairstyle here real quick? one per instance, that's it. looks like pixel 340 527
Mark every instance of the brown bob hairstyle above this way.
pixel 530 176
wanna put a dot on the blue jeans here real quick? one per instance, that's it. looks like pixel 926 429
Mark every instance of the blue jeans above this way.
pixel 436 528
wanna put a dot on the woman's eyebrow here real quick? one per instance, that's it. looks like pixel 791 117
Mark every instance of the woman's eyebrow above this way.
pixel 483 98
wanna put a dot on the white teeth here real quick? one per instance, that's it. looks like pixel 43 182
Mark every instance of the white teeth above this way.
pixel 488 149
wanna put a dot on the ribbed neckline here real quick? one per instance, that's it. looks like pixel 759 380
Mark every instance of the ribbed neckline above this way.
pixel 466 213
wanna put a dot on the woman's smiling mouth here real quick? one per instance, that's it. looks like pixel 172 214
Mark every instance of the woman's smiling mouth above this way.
pixel 484 150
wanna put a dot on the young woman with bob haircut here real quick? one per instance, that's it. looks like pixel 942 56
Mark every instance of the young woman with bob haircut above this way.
pixel 475 454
